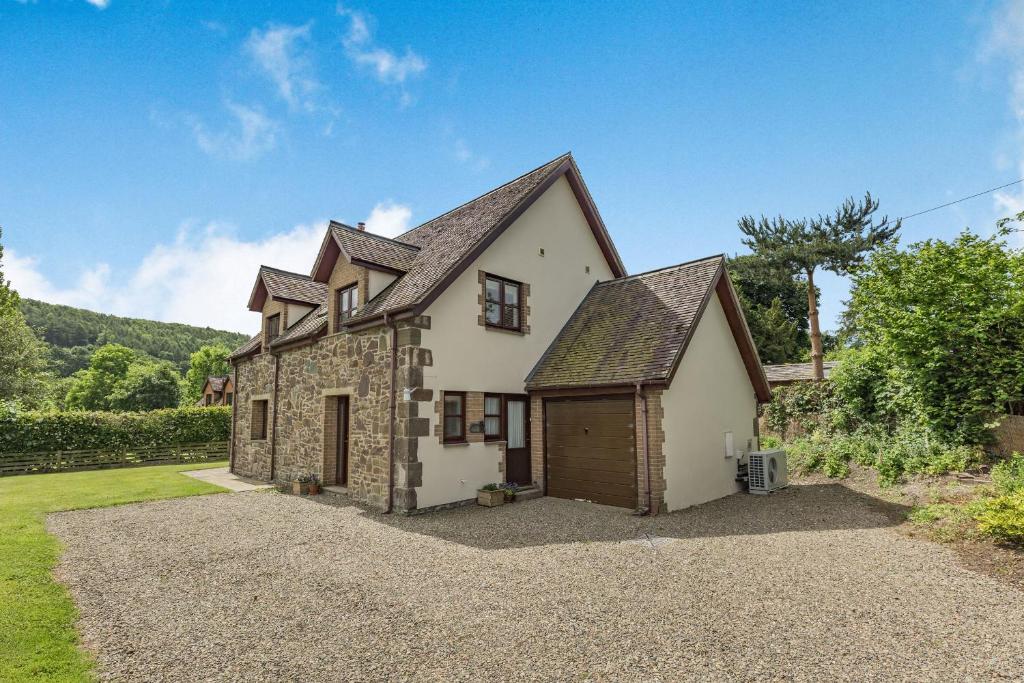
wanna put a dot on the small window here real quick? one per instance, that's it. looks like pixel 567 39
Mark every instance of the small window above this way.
pixel 229 399
pixel 492 417
pixel 345 305
pixel 502 303
pixel 273 327
pixel 258 431
pixel 454 416
pixel 209 399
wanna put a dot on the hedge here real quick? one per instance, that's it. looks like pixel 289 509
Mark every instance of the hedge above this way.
pixel 79 430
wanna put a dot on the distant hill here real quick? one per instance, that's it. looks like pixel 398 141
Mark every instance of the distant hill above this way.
pixel 73 334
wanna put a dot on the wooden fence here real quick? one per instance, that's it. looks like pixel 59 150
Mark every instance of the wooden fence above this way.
pixel 65 461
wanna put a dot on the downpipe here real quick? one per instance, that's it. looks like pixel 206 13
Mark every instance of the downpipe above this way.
pixel 390 323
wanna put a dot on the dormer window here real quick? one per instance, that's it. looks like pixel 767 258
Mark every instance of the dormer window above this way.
pixel 346 303
pixel 273 327
pixel 502 303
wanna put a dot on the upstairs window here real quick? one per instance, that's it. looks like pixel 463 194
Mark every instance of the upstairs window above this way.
pixel 501 304
pixel 346 303
pixel 273 327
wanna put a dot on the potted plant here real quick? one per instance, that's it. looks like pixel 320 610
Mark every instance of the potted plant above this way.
pixel 301 485
pixel 510 489
pixel 314 484
pixel 490 495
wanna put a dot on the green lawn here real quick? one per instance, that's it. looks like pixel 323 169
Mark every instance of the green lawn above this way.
pixel 38 640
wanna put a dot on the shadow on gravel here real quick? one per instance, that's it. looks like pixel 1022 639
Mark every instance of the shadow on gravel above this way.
pixel 553 521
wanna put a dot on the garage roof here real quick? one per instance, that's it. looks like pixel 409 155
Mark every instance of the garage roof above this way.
pixel 635 330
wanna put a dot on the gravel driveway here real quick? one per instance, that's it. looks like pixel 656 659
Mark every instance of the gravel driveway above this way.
pixel 812 583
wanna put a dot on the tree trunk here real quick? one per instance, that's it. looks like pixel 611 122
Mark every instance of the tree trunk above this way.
pixel 812 317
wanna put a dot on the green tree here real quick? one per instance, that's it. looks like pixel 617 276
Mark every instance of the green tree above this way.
pixel 23 356
pixel 836 243
pixel 941 328
pixel 775 306
pixel 210 360
pixel 94 386
pixel 147 386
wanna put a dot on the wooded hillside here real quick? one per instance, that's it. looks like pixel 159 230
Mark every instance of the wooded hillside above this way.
pixel 74 333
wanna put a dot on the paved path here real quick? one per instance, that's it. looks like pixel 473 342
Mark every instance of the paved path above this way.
pixel 222 477
pixel 810 584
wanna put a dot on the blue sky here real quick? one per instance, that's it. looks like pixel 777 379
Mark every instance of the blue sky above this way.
pixel 152 154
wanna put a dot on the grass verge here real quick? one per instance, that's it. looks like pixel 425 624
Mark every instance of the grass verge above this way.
pixel 38 640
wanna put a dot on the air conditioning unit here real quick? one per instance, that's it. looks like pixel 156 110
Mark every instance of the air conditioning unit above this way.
pixel 766 471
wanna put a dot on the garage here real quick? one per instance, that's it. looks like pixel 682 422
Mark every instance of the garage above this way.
pixel 591 450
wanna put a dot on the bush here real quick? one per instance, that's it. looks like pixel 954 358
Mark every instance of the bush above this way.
pixel 1008 475
pixel 53 431
pixel 800 406
pixel 1003 517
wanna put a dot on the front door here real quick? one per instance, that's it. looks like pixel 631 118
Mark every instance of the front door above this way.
pixel 517 440
pixel 342 444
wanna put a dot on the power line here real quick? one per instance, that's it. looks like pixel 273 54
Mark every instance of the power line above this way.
pixel 962 199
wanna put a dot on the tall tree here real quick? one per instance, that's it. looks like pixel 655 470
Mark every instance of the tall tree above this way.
pixel 775 306
pixel 836 242
pixel 210 360
pixel 23 356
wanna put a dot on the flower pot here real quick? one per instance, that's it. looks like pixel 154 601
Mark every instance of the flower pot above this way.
pixel 314 489
pixel 490 498
pixel 299 488
pixel 510 497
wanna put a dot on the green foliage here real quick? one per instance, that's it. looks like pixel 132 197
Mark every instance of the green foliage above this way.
pixel 1003 517
pixel 799 405
pixel 119 379
pixel 23 356
pixel 942 332
pixel 208 361
pixel 1008 475
pixel 775 306
pixel 79 332
pixel 53 431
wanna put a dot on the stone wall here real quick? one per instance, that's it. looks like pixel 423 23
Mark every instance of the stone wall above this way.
pixel 255 382
pixel 409 425
pixel 655 452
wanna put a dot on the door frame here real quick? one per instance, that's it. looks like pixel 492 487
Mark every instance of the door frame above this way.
pixel 341 441
pixel 527 444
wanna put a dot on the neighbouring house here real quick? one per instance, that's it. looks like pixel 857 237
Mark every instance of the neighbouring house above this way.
pixel 217 391
pixel 790 373
pixel 501 341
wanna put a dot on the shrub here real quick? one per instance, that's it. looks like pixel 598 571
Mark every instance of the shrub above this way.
pixel 1008 475
pixel 53 431
pixel 800 405
pixel 770 441
pixel 1003 517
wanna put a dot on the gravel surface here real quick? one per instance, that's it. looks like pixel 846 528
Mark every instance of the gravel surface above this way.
pixel 812 583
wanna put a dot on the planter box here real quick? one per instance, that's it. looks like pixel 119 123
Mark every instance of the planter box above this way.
pixel 490 498
pixel 300 489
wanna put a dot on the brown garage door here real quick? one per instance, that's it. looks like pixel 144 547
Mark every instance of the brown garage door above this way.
pixel 591 450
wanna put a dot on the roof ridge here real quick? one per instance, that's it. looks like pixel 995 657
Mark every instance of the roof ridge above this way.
pixel 285 272
pixel 663 268
pixel 491 191
pixel 333 223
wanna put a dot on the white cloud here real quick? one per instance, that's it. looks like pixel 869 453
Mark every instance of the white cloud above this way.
pixel 386 65
pixel 102 4
pixel 252 134
pixel 204 277
pixel 281 53
pixel 1004 43
pixel 389 219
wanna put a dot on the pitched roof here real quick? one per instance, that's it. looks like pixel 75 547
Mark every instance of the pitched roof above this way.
pixel 217 382
pixel 448 243
pixel 784 373
pixel 307 325
pixel 375 250
pixel 635 329
pixel 249 347
pixel 282 284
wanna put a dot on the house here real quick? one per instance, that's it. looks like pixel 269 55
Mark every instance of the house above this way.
pixel 500 341
pixel 217 391
pixel 789 373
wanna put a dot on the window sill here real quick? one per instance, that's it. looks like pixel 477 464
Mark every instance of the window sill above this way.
pixel 495 328
pixel 455 443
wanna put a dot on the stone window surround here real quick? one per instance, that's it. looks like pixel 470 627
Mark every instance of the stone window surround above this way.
pixel 524 304
pixel 255 401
